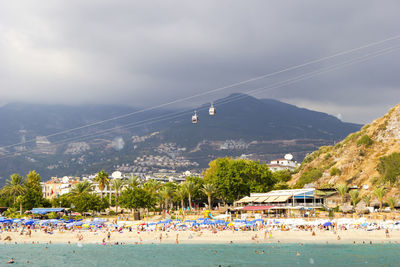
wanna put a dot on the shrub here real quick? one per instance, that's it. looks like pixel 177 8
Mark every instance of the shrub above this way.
pixel 335 171
pixel 365 140
pixel 52 215
pixel 389 167
pixel 309 177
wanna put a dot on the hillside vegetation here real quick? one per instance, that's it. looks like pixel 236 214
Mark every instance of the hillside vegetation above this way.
pixel 367 159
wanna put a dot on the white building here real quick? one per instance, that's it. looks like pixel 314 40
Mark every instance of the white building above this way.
pixel 286 163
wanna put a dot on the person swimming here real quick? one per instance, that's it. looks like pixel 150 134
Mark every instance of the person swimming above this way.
pixel 10 261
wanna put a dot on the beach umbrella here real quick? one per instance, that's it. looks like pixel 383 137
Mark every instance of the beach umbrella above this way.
pixel 327 224
pixel 78 223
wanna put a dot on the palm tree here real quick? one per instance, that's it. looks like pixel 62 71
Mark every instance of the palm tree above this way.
pixel 133 182
pixel 354 196
pixel 166 193
pixel 392 202
pixel 342 190
pixel 181 193
pixel 103 181
pixel 14 186
pixel 190 187
pixel 379 193
pixel 209 190
pixel 366 199
pixel 117 185
pixel 152 186
pixel 80 188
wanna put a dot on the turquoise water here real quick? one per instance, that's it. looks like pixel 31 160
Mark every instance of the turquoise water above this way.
pixel 202 255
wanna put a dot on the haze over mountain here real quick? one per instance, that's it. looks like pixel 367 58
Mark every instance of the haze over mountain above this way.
pixel 259 128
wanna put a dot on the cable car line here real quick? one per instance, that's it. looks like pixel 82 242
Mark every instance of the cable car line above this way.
pixel 253 91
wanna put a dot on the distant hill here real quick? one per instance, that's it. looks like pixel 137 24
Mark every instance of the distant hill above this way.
pixel 244 117
pixel 356 159
pixel 261 129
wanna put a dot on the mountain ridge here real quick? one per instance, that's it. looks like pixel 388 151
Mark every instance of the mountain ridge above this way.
pixel 355 160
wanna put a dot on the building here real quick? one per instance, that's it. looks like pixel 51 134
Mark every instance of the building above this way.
pixel 56 187
pixel 281 201
pixel 286 163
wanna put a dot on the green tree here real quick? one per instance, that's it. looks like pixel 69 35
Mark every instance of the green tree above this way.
pixel 81 188
pixel 181 194
pixel 281 186
pixel 133 182
pixel 190 187
pixel 379 193
pixel 389 168
pixel 282 176
pixel 117 185
pixel 237 178
pixel 367 200
pixel 392 201
pixel 342 190
pixel 103 181
pixel 33 196
pixel 354 195
pixel 62 201
pixel 136 198
pixel 14 186
pixel 166 194
pixel 209 190
pixel 87 202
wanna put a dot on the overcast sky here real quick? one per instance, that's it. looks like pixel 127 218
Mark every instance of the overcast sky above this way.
pixel 144 53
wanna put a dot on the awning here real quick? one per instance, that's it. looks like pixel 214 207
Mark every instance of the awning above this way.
pixel 282 198
pixel 261 199
pixel 243 200
pixel 273 198
pixel 249 208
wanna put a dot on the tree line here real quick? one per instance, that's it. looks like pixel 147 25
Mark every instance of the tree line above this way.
pixel 225 181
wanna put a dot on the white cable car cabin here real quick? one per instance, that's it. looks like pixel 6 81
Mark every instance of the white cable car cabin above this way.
pixel 211 111
pixel 195 118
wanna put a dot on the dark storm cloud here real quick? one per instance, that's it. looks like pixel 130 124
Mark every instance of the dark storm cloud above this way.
pixel 132 52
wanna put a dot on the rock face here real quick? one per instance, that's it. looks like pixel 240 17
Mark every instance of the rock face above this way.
pixel 355 159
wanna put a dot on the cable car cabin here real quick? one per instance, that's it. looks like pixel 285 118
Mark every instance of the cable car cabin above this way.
pixel 211 111
pixel 195 118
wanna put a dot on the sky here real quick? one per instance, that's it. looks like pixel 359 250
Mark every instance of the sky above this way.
pixel 146 53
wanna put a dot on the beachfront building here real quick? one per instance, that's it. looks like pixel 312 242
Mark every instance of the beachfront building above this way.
pixel 282 202
pixel 56 187
pixel 287 163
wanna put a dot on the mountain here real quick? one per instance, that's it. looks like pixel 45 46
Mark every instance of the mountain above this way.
pixel 260 129
pixel 241 116
pixel 366 159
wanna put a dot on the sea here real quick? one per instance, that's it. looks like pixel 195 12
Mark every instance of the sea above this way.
pixel 201 255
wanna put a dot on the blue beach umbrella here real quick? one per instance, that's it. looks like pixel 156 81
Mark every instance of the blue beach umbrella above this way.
pixel 327 224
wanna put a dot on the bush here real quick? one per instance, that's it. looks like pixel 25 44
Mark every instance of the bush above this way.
pixel 335 171
pixel 308 177
pixel 365 140
pixel 389 167
pixel 52 215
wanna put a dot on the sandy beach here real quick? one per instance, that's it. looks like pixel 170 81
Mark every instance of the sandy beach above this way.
pixel 206 236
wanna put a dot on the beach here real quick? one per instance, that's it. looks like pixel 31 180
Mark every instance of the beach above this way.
pixel 205 236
